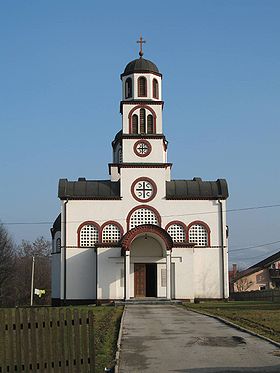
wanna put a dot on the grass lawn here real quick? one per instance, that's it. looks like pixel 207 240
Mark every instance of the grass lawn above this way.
pixel 107 330
pixel 260 317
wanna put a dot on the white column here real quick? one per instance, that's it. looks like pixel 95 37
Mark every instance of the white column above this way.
pixel 168 274
pixel 127 274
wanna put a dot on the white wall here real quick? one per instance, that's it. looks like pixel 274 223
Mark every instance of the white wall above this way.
pixel 80 273
pixel 110 285
pixel 149 77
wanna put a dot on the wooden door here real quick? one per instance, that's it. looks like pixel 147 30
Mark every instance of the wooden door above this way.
pixel 139 280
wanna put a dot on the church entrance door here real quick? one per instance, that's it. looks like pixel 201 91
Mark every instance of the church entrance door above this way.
pixel 145 280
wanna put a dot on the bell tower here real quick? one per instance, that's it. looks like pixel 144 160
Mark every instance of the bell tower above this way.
pixel 141 140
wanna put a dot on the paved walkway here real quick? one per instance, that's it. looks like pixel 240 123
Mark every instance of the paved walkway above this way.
pixel 168 338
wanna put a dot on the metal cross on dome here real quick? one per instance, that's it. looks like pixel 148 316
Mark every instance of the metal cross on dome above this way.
pixel 141 42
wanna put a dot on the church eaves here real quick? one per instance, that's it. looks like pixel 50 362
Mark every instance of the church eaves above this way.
pixel 88 189
pixel 196 189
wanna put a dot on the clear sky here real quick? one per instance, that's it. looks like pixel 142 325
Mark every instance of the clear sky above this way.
pixel 60 89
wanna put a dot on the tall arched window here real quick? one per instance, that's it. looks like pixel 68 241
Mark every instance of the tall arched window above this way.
pixel 177 232
pixel 88 235
pixel 142 121
pixel 199 234
pixel 142 86
pixel 150 124
pixel 120 157
pixel 134 123
pixel 128 88
pixel 155 89
pixel 111 233
pixel 143 216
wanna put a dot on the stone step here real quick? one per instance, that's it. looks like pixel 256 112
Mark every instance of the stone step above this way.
pixel 147 301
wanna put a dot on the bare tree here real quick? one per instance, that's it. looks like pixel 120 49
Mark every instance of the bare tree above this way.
pixel 7 261
pixel 243 284
pixel 41 250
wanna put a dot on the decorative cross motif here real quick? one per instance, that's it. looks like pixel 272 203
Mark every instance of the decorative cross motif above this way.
pixel 141 41
pixel 144 189
pixel 142 148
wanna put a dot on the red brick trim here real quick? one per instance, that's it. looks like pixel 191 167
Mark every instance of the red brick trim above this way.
pixel 206 226
pixel 140 71
pixel 108 244
pixel 149 146
pixel 141 165
pixel 144 179
pixel 107 223
pixel 178 222
pixel 129 237
pixel 88 222
pixel 141 106
pixel 143 207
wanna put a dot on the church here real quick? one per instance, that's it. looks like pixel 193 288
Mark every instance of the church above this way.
pixel 140 234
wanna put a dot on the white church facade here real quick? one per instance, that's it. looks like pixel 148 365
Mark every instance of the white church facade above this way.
pixel 140 234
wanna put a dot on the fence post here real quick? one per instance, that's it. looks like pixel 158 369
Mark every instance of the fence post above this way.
pixel 91 342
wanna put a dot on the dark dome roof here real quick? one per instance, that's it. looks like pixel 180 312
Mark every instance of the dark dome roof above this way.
pixel 140 66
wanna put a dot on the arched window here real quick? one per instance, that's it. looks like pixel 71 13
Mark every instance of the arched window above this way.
pixel 177 232
pixel 143 216
pixel 111 233
pixel 142 86
pixel 58 245
pixel 155 89
pixel 142 121
pixel 88 235
pixel 134 123
pixel 120 158
pixel 128 88
pixel 199 234
pixel 150 124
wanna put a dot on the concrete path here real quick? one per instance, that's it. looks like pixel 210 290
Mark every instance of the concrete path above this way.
pixel 168 338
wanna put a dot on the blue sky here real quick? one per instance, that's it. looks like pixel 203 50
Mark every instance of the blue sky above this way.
pixel 60 91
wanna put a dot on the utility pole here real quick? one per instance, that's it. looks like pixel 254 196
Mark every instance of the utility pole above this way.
pixel 32 281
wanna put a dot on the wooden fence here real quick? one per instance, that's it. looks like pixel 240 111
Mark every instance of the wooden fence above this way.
pixel 272 295
pixel 47 340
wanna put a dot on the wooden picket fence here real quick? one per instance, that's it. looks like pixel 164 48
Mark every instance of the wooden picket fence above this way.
pixel 269 295
pixel 47 340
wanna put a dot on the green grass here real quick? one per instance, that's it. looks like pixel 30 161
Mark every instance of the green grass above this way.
pixel 107 329
pixel 260 317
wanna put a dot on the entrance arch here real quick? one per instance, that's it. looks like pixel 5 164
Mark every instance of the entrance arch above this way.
pixel 147 250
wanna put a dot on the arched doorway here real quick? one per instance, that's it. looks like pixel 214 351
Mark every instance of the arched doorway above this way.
pixel 147 250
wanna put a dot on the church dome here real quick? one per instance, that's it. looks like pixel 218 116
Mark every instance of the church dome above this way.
pixel 140 65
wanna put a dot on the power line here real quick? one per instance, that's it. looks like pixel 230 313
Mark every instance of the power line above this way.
pixel 165 216
pixel 255 246
pixel 256 257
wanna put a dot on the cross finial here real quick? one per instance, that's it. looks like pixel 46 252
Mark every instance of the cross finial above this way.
pixel 141 41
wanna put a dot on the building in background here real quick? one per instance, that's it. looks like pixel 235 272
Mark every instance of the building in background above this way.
pixel 260 276
pixel 140 234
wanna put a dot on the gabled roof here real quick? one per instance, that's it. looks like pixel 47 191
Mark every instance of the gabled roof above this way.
pixel 258 266
pixel 196 189
pixel 88 189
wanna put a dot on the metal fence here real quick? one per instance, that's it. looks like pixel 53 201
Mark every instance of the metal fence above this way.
pixel 272 295
pixel 47 340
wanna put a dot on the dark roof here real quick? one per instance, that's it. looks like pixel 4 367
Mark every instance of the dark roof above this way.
pixel 56 225
pixel 258 266
pixel 140 66
pixel 196 189
pixel 88 189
